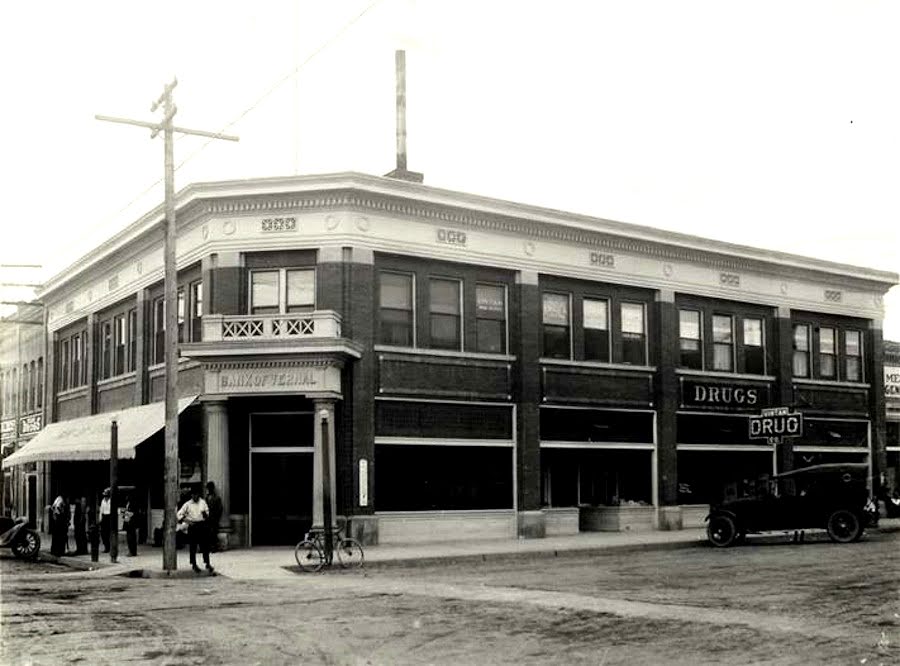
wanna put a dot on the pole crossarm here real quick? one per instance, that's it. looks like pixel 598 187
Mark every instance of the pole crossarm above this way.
pixel 159 127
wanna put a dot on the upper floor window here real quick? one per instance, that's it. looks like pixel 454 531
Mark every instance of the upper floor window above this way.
pixel 596 330
pixel 196 311
pixel 39 398
pixel 159 330
pixel 282 291
pixel 827 349
pixel 690 339
pixel 445 313
pixel 634 334
pixel 490 318
pixel 120 344
pixel 132 339
pixel 181 309
pixel 395 309
pixel 853 351
pixel 79 367
pixel 106 344
pixel 26 389
pixel 754 346
pixel 723 343
pixel 801 350
pixel 64 361
pixel 557 325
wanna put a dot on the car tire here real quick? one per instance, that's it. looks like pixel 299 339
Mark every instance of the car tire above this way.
pixel 843 526
pixel 722 531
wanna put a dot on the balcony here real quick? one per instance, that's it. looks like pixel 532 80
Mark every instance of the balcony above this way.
pixel 280 327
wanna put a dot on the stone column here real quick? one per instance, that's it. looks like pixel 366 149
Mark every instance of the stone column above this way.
pixel 527 325
pixel 215 444
pixel 667 398
pixel 323 407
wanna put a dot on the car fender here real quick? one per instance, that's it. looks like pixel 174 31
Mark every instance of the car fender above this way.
pixel 721 512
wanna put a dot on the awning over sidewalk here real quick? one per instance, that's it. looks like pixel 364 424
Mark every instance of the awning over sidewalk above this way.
pixel 87 438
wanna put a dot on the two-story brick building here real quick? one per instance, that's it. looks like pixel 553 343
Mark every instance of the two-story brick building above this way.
pixel 466 366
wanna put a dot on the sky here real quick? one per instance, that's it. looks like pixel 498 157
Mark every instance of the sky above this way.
pixel 773 124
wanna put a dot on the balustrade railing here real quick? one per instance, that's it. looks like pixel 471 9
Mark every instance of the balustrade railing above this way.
pixel 318 324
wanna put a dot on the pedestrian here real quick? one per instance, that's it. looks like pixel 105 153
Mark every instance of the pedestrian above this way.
pixel 130 522
pixel 214 502
pixel 105 509
pixel 59 525
pixel 195 513
pixel 79 523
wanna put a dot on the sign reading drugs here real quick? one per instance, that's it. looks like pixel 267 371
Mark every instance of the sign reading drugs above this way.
pixel 776 422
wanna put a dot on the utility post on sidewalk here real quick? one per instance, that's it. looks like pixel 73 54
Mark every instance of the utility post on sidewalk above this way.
pixel 167 127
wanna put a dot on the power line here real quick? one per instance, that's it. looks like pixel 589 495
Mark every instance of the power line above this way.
pixel 243 114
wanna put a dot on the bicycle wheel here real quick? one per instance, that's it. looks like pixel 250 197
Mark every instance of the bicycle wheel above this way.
pixel 308 556
pixel 350 553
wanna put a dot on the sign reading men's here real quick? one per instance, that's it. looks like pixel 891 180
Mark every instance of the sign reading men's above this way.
pixel 776 422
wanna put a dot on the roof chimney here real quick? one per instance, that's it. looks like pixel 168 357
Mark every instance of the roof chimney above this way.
pixel 401 172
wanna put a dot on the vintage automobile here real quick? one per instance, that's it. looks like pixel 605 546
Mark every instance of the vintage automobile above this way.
pixel 831 496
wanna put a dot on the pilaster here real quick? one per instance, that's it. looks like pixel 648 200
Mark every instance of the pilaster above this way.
pixel 874 370
pixel 666 399
pixel 527 393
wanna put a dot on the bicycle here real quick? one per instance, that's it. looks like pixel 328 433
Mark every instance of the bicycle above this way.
pixel 310 553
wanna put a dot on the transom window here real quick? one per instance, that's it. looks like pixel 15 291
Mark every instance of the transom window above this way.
pixel 445 310
pixel 596 329
pixel 690 339
pixel 490 318
pixel 395 309
pixel 723 343
pixel 282 290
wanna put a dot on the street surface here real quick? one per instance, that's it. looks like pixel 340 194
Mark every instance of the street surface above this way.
pixel 814 603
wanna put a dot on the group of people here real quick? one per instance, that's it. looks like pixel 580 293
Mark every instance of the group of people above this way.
pixel 199 516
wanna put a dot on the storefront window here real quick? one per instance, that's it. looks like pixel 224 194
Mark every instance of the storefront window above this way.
pixel 690 339
pixel 596 329
pixel 723 343
pixel 556 323
pixel 853 356
pixel 490 318
pixel 826 353
pixel 444 311
pixel 754 347
pixel 801 350
pixel 634 338
pixel 395 301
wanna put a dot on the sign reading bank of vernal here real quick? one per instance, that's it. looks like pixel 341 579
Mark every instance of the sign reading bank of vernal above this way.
pixel 286 379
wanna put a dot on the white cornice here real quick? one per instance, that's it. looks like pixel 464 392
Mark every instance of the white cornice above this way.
pixel 400 198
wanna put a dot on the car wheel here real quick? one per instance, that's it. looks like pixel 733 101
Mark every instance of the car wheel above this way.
pixel 843 526
pixel 27 545
pixel 722 531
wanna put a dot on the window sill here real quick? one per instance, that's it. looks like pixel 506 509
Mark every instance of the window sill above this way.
pixel 424 351
pixel 158 369
pixel 830 382
pixel 596 364
pixel 116 381
pixel 724 375
pixel 76 392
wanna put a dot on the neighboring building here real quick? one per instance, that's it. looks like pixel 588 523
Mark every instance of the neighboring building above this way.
pixel 892 424
pixel 471 367
pixel 22 397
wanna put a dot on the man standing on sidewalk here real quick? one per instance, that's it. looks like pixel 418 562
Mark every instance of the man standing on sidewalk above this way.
pixel 194 513
pixel 105 511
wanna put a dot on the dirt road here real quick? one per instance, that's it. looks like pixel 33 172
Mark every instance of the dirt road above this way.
pixel 814 603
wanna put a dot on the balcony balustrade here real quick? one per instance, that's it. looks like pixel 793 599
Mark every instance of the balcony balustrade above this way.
pixel 318 324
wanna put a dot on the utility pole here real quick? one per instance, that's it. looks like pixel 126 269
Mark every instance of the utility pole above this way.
pixel 171 316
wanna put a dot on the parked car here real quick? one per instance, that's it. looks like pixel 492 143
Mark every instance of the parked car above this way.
pixel 832 496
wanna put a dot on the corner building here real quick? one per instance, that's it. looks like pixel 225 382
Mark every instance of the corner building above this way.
pixel 461 365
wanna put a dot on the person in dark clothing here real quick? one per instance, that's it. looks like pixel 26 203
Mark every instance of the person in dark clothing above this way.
pixel 79 522
pixel 105 509
pixel 130 521
pixel 214 502
pixel 59 526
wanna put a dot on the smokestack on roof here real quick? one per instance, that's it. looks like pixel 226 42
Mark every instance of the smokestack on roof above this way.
pixel 401 172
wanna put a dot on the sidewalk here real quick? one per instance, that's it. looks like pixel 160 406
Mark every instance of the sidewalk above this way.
pixel 264 563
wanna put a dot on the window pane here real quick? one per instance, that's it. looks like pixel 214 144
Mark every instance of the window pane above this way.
pixel 395 291
pixel 854 373
pixel 826 365
pixel 491 336
pixel 197 299
pixel 801 364
pixel 754 360
pixel 264 292
pixel 445 331
pixel 596 344
pixel 826 340
pixel 596 314
pixel 633 351
pixel 556 309
pixel 444 296
pixel 722 330
pixel 490 302
pixel 633 318
pixel 852 343
pixel 722 357
pixel 301 294
pixel 396 327
pixel 801 337
pixel 753 333
pixel 689 324
pixel 556 341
